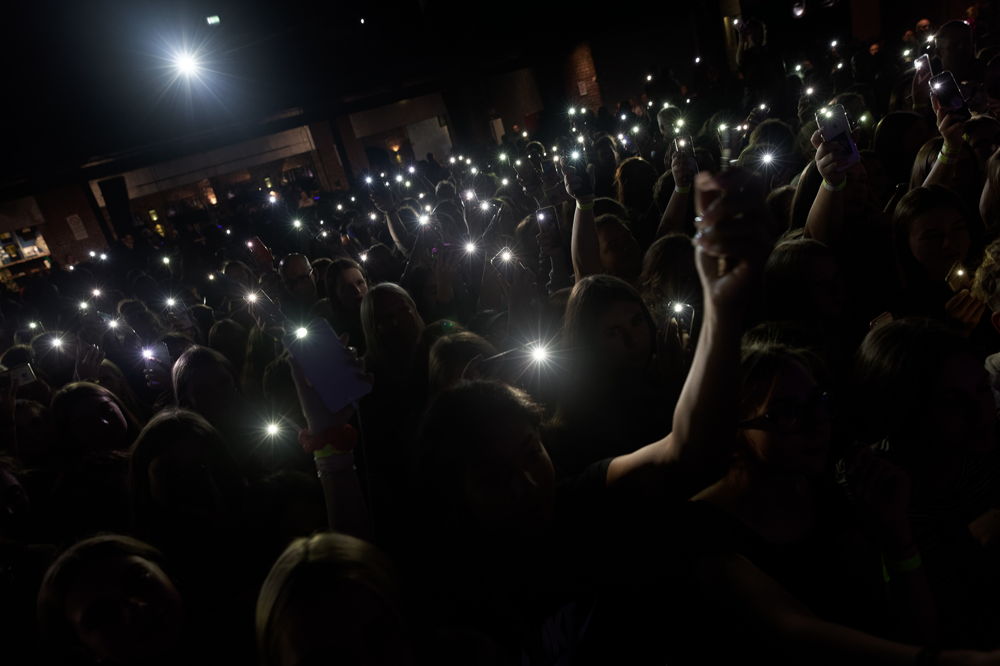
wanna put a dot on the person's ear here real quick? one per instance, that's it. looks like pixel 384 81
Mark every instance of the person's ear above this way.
pixel 995 320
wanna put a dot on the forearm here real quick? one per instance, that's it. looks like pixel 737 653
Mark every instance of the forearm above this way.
pixel 910 595
pixel 825 222
pixel 676 214
pixel 585 249
pixel 346 510
pixel 944 171
pixel 398 233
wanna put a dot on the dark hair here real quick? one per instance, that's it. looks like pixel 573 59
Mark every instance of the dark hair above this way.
pixel 786 283
pixel 760 365
pixel 229 338
pixel 16 355
pixel 333 273
pixel 65 402
pixel 188 363
pixel 451 354
pixel 918 202
pixel 894 366
pixel 455 426
pixel 161 433
pixel 634 180
pixel 669 273
pixel 53 625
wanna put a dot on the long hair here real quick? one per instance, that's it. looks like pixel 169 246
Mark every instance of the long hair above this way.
pixel 65 402
pixel 188 364
pixel 313 568
pixel 376 352
pixel 162 433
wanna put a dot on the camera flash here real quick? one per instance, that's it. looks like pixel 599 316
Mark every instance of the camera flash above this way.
pixel 301 332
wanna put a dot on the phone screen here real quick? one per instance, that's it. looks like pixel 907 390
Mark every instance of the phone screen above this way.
pixel 684 144
pixel 331 369
pixel 683 314
pixel 923 63
pixel 945 88
pixel 547 221
pixel 958 277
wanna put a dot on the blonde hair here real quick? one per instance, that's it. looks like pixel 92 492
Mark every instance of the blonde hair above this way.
pixel 311 567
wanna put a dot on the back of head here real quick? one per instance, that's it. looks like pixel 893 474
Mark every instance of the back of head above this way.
pixel 898 137
pixel 634 181
pixel 377 351
pixel 668 271
pixel 777 134
pixel 788 282
pixel 314 585
pixel 230 339
pixel 193 362
pixel 895 364
pixel 451 355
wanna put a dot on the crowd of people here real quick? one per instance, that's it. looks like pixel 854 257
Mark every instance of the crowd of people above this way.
pixel 690 381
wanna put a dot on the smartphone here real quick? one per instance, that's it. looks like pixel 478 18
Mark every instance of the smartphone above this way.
pixel 329 367
pixel 958 277
pixel 260 254
pixel 835 127
pixel 949 95
pixel 923 63
pixel 260 303
pixel 684 144
pixel 548 222
pixel 505 262
pixel 548 167
pixel 157 353
pixel 21 375
pixel 683 314
pixel 579 166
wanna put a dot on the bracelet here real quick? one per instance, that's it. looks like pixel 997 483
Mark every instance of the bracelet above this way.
pixel 585 206
pixel 908 565
pixel 682 190
pixel 944 159
pixel 945 151
pixel 834 188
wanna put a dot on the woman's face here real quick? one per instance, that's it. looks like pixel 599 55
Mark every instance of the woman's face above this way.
pixel 511 486
pixel 125 610
pixel 938 239
pixel 351 289
pixel 181 480
pixel 795 435
pixel 625 339
pixel 98 421
pixel 398 325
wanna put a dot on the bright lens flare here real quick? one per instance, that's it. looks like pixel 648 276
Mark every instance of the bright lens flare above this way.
pixel 83 305
pixel 252 297
pixel 166 261
pixel 424 220
pixel 96 293
pixel 171 302
pixel 32 325
pixel 767 158
pixel 539 354
pixel 301 332
pixel 485 206
pixel 506 255
pixel 147 354
pixel 272 429
pixel 470 248
pixel 186 64
pixel 57 343
pixel 113 323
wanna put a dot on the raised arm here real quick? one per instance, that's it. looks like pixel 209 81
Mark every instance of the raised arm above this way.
pixel 584 247
pixel 952 129
pixel 826 216
pixel 730 249
pixel 675 217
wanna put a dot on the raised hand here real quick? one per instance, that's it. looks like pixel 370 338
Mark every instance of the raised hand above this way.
pixel 731 243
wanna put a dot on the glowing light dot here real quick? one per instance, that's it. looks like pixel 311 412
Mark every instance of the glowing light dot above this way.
pixel 373 216
pixel 469 195
pixel 524 134
pixel 506 255
pixel 211 276
pixel 503 157
pixel 57 343
pixel 678 308
pixel 580 139
pixel 539 354
pixel 340 206
pixel 83 305
pixel 798 68
pixel 297 224
pixel 32 325
pixel 424 220
pixel 833 44
pixel 575 155
pixel 649 77
pixel 412 169
pixel 252 297
pixel 166 260
pixel 301 332
pixel 113 323
pixel 697 60
pixel 470 248
pixel 767 158
pixel 427 208
pixel 810 91
pixel 572 111
pixel 505 182
pixel 104 257
pixel 623 117
pixel 93 254
pixel 273 429
pixel 363 257
pixel 368 179
pixel 635 129
pixel 96 293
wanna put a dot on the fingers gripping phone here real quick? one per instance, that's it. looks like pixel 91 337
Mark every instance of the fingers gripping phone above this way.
pixel 835 127
pixel 958 277
pixel 683 314
pixel 329 367
pixel 684 144
pixel 945 88
pixel 506 262
pixel 548 223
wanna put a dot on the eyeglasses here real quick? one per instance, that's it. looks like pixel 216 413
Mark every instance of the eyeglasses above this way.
pixel 791 417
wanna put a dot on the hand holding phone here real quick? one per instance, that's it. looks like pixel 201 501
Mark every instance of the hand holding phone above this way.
pixel 260 254
pixel 836 151
pixel 684 145
pixel 577 178
pixel 944 89
pixel 330 368
pixel 548 224
pixel 958 277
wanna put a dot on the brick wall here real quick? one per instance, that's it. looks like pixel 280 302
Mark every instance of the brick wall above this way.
pixel 56 205
pixel 581 78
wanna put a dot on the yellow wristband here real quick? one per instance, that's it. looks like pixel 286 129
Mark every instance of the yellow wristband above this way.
pixel 945 151
pixel 682 190
pixel 944 159
pixel 829 187
pixel 585 206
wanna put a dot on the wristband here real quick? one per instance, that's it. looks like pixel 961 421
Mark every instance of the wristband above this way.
pixel 944 159
pixel 834 188
pixel 945 151
pixel 682 190
pixel 585 206
pixel 908 565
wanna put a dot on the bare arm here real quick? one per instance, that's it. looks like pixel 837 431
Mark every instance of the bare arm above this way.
pixel 730 250
pixel 584 246
pixel 825 222
pixel 952 128
pixel 675 217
